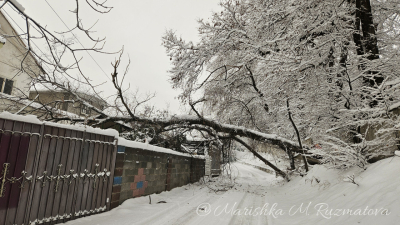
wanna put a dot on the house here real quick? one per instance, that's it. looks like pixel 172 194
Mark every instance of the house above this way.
pixel 18 68
pixel 16 92
pixel 13 56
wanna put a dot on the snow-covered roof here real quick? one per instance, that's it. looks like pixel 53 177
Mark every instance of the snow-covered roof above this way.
pixel 46 88
pixel 31 103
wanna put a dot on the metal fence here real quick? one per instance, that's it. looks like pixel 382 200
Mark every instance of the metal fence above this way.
pixel 51 174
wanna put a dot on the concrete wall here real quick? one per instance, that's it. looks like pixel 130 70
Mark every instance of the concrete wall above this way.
pixel 141 172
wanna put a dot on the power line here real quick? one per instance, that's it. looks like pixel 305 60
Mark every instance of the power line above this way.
pixel 30 40
pixel 78 40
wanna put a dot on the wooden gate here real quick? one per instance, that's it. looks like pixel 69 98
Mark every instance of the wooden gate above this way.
pixel 51 174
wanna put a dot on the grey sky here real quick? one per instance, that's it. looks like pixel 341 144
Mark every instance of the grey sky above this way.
pixel 139 26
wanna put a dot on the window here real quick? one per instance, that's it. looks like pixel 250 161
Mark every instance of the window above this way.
pixel 85 110
pixel 6 85
pixel 65 104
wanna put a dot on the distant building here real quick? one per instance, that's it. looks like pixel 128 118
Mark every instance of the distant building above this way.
pixel 65 101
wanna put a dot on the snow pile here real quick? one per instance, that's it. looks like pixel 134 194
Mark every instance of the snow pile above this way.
pixel 27 119
pixel 146 146
pixel 2 39
pixel 329 196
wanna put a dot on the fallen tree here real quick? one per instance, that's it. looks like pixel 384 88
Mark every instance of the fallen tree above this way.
pixel 193 122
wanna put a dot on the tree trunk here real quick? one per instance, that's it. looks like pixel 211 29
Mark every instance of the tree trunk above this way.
pixel 276 169
pixel 291 159
pixel 365 39
pixel 298 136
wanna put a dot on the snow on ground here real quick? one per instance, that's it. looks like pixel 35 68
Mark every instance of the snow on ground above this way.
pixel 194 204
pixel 328 197
pixel 256 197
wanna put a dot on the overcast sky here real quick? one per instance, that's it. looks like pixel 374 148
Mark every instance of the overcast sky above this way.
pixel 136 25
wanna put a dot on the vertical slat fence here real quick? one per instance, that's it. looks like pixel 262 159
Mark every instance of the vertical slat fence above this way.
pixel 52 174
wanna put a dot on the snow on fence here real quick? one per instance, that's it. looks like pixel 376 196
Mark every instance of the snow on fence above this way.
pixel 143 169
pixel 52 173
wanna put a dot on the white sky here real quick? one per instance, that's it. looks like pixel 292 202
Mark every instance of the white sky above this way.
pixel 136 25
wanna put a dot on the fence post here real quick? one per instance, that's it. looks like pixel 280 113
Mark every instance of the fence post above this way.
pixel 112 168
pixel 34 174
pixel 77 180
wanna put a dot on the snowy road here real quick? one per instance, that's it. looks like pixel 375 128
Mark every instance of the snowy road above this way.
pixel 320 198
pixel 197 204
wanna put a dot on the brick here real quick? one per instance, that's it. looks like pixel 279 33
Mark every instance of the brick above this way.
pixel 114 205
pixel 127 166
pixel 118 172
pixel 135 193
pixel 133 185
pixel 150 177
pixel 125 187
pixel 126 195
pixel 116 188
pixel 141 171
pixel 121 149
pixel 120 158
pixel 137 178
pixel 115 197
pixel 129 157
pixel 139 185
pixel 119 164
pixel 117 180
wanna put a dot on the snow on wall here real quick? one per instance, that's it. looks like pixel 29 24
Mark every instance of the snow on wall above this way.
pixel 145 146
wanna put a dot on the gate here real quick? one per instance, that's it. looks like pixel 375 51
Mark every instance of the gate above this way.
pixel 51 174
